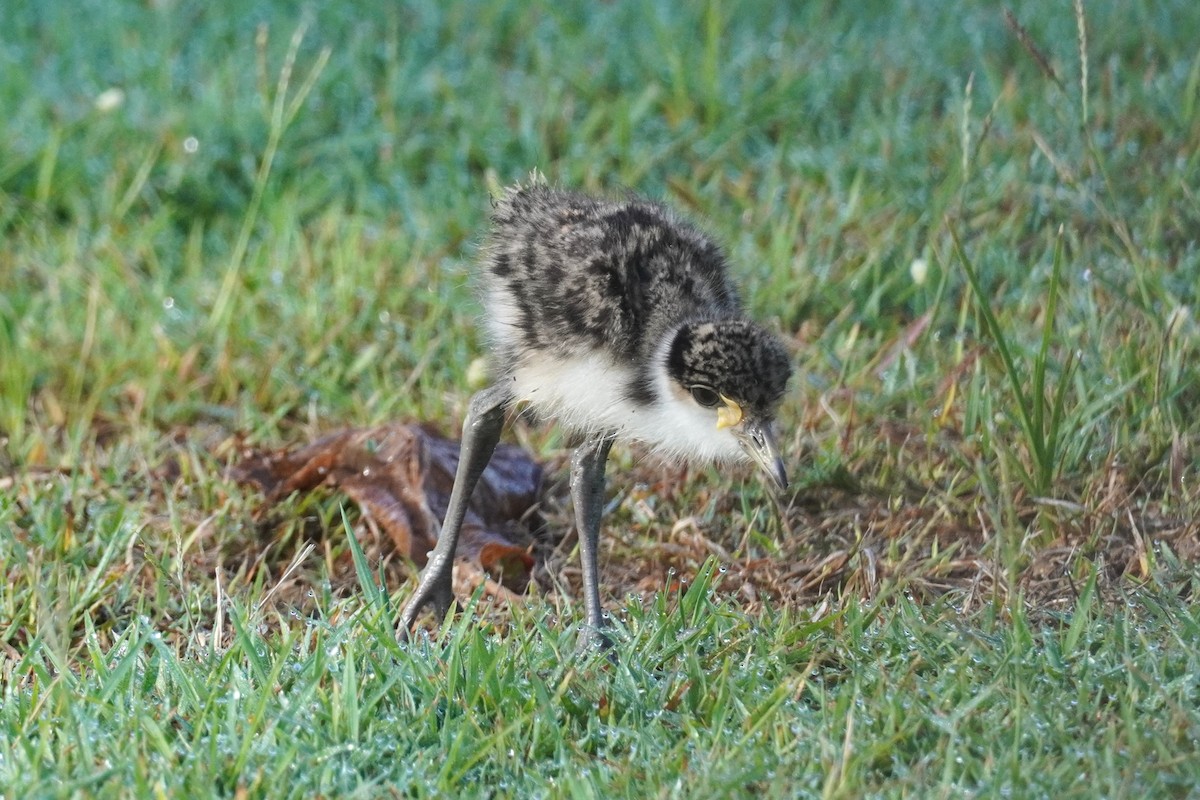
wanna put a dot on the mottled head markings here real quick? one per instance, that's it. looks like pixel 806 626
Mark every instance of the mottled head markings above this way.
pixel 748 367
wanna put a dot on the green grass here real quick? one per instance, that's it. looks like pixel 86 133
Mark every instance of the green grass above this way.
pixel 703 701
pixel 982 245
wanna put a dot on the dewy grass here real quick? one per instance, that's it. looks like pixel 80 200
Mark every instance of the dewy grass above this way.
pixel 205 251
pixel 843 702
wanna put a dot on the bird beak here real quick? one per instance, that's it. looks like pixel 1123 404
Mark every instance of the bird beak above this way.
pixel 757 438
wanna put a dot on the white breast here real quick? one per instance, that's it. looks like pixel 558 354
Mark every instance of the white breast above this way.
pixel 585 393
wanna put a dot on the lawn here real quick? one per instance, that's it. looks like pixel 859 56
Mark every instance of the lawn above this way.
pixel 230 228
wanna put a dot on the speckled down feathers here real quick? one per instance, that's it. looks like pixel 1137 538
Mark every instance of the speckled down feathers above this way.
pixel 596 307
pixel 586 274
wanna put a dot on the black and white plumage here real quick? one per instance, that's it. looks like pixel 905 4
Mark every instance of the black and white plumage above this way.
pixel 617 320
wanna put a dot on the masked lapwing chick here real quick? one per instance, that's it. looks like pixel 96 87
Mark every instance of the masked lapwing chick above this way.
pixel 617 320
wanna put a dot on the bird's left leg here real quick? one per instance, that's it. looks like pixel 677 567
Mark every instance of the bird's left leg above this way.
pixel 587 492
pixel 481 432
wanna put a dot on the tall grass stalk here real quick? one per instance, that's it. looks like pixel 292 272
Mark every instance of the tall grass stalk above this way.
pixel 283 113
pixel 1041 423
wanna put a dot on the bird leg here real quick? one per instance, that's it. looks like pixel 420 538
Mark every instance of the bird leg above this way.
pixel 481 432
pixel 587 493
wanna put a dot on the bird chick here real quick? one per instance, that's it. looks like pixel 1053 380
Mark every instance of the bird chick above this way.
pixel 617 320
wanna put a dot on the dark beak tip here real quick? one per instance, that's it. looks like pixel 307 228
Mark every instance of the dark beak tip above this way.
pixel 760 445
pixel 776 474
pixel 780 478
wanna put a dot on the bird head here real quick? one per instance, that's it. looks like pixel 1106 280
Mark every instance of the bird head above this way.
pixel 738 372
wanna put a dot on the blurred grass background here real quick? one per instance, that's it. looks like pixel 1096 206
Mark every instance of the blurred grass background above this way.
pixel 229 223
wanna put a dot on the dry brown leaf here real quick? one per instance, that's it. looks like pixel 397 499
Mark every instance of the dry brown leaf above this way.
pixel 400 477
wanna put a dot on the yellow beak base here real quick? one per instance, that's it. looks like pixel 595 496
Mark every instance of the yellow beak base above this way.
pixel 729 414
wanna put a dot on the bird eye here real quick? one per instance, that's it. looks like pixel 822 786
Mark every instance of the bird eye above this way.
pixel 705 396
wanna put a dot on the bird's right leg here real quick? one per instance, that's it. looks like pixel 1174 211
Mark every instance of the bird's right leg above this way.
pixel 481 432
pixel 587 492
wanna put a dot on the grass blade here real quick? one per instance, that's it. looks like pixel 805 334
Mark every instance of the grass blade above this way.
pixel 996 331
